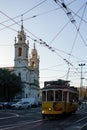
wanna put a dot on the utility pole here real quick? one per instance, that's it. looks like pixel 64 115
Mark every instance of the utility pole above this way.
pixel 81 84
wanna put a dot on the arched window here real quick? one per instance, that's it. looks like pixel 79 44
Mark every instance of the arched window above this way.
pixel 26 53
pixel 33 64
pixel 19 51
pixel 19 74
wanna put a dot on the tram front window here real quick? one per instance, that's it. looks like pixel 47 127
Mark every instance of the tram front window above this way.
pixel 58 95
pixel 50 95
pixel 44 96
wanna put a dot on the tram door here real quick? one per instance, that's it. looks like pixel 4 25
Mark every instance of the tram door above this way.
pixel 65 101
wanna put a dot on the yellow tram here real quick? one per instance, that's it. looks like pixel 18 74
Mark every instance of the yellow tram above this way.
pixel 58 97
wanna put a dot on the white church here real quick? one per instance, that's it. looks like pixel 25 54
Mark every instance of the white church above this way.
pixel 25 66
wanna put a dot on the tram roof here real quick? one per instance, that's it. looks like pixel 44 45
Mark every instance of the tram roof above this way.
pixel 59 84
pixel 55 87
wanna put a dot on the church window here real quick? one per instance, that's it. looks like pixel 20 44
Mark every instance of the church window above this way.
pixel 33 64
pixel 33 54
pixel 26 95
pixel 21 39
pixel 26 53
pixel 19 74
pixel 19 51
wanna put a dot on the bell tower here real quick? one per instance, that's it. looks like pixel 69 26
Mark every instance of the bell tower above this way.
pixel 34 60
pixel 21 49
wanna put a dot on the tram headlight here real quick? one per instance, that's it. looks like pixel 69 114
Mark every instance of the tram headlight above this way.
pixel 50 108
pixel 43 112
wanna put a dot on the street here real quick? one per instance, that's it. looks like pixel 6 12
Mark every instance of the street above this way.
pixel 32 120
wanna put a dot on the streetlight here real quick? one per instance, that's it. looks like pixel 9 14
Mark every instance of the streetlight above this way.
pixel 81 84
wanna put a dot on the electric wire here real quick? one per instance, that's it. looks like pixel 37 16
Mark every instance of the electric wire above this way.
pixel 78 29
pixel 34 16
pixel 34 7
pixel 71 2
pixel 65 24
pixel 29 31
pixel 12 19
pixel 66 10
pixel 25 11
pixel 59 32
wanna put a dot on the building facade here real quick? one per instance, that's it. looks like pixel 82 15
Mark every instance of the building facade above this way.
pixel 25 66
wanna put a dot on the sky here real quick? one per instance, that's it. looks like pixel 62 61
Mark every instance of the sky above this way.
pixel 59 29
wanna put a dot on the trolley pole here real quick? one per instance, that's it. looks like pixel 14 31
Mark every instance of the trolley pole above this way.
pixel 81 84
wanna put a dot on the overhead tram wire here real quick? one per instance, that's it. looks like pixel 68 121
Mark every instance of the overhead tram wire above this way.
pixel 35 36
pixel 34 7
pixel 16 23
pixel 80 18
pixel 64 25
pixel 28 18
pixel 72 45
pixel 44 44
pixel 12 19
pixel 78 29
pixel 67 53
pixel 53 50
pixel 9 18
pixel 75 39
pixel 67 24
pixel 25 11
pixel 23 20
pixel 5 26
pixel 76 14
pixel 41 42
pixel 22 14
pixel 66 10
pixel 71 2
pixel 59 32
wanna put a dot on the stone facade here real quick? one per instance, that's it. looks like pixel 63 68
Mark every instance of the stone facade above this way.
pixel 25 66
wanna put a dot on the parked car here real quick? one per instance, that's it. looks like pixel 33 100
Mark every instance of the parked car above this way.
pixel 1 105
pixel 9 104
pixel 33 101
pixel 21 105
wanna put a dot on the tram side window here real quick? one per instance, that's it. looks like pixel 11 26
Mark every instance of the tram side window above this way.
pixel 70 97
pixel 73 97
pixel 58 95
pixel 50 95
pixel 65 96
pixel 44 96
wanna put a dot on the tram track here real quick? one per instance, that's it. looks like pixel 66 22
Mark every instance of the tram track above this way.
pixel 78 124
pixel 75 121
pixel 71 123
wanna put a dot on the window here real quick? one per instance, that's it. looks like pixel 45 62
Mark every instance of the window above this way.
pixel 44 96
pixel 73 97
pixel 65 96
pixel 20 38
pixel 26 53
pixel 33 64
pixel 58 95
pixel 19 51
pixel 19 74
pixel 50 95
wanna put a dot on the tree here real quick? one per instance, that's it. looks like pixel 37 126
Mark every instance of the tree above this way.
pixel 10 85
